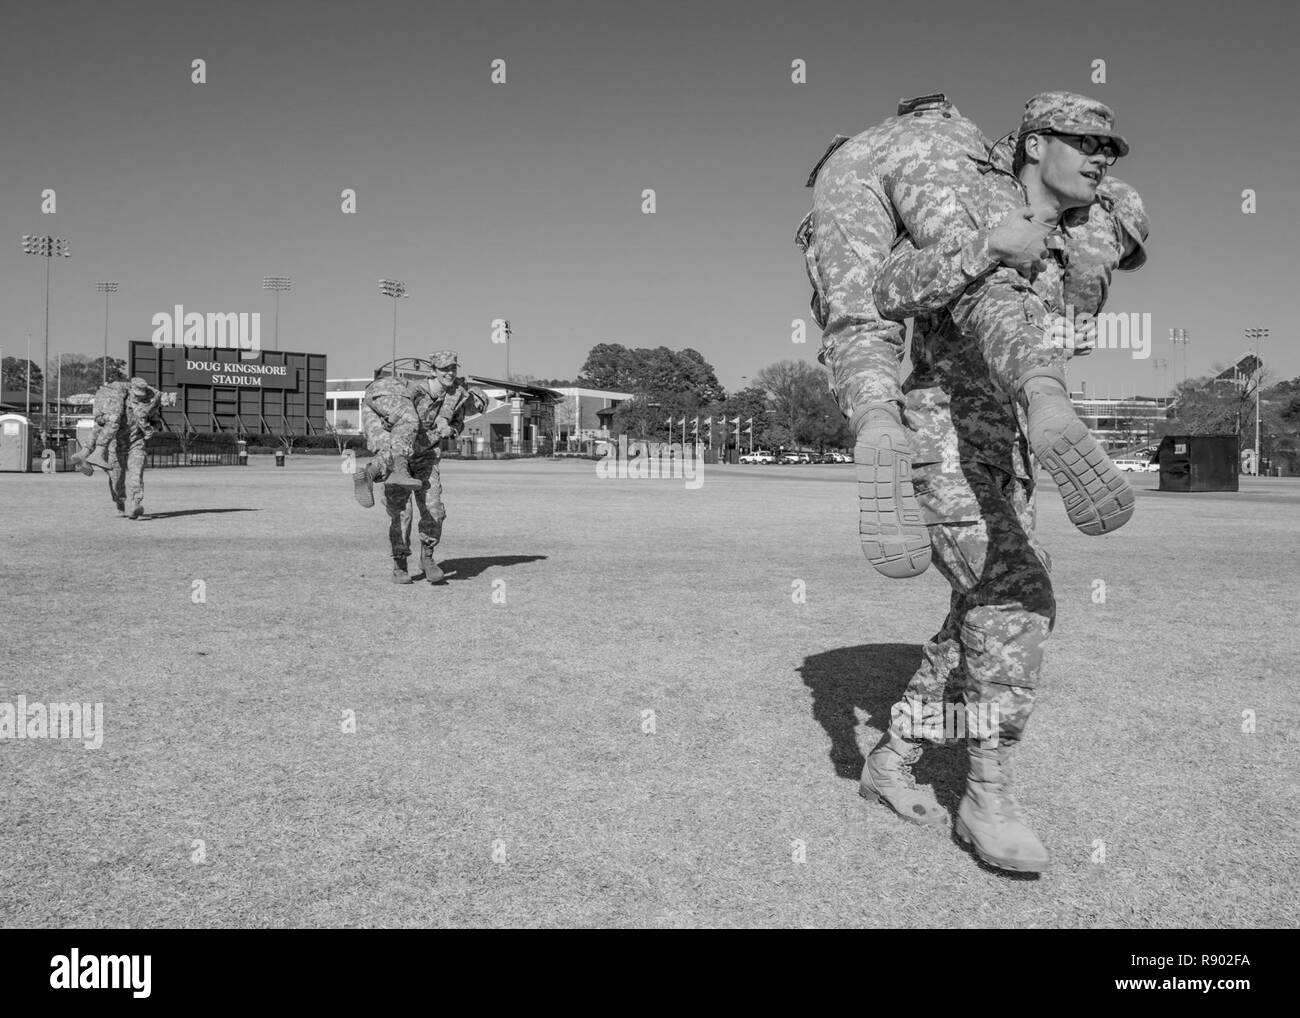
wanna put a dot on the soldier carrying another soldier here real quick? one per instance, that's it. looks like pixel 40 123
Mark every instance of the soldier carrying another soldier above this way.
pixel 404 422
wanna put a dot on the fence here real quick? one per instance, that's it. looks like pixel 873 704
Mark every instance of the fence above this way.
pixel 199 451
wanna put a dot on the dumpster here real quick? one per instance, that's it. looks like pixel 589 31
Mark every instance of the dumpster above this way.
pixel 1198 462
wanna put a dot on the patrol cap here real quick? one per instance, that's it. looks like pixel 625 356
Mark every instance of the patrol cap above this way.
pixel 1070 113
pixel 139 387
pixel 1132 215
pixel 444 359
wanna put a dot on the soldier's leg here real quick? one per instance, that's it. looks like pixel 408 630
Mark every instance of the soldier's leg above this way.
pixel 1010 616
pixel 397 502
pixel 917 718
pixel 135 477
pixel 939 194
pixel 108 409
pixel 117 458
pixel 846 239
pixel 432 513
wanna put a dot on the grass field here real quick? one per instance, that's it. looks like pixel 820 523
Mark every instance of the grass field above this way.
pixel 499 773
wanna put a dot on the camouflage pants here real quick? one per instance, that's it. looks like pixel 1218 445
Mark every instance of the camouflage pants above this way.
pixel 399 437
pixel 428 500
pixel 109 412
pixel 912 173
pixel 989 650
pixel 126 458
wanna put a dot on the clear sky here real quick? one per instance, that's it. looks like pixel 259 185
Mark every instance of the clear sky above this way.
pixel 523 200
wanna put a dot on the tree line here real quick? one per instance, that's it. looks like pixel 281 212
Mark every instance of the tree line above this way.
pixel 789 402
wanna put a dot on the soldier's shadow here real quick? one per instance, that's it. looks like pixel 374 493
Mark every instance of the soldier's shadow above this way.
pixel 871 678
pixel 193 512
pixel 465 568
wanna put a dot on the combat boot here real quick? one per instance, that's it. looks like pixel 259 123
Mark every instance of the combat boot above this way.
pixel 363 485
pixel 431 571
pixel 79 462
pixel 1098 499
pixel 97 459
pixel 887 778
pixel 988 818
pixel 400 477
pixel 400 574
pixel 121 506
pixel 890 525
pixel 136 512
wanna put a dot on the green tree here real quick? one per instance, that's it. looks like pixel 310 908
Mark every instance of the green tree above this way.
pixel 14 370
pixel 804 414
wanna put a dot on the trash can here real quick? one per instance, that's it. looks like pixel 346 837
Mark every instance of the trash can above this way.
pixel 279 457
pixel 1199 462
pixel 243 452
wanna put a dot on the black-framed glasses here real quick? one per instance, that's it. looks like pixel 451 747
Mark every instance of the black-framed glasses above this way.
pixel 1090 144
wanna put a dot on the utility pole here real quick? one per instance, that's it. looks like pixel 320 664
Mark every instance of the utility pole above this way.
pixel 1257 335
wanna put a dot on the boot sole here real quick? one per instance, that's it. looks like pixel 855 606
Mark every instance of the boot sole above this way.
pixel 363 491
pixel 1012 865
pixel 1098 499
pixel 890 525
pixel 871 795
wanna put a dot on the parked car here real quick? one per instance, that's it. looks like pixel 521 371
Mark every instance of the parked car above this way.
pixel 758 457
pixel 795 457
pixel 1137 466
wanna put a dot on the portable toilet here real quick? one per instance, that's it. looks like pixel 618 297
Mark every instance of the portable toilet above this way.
pixel 15 443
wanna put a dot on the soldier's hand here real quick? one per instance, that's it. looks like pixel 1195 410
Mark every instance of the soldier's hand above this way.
pixel 1018 242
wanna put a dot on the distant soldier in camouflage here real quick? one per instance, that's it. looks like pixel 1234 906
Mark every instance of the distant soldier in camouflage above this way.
pixel 973 477
pixel 142 418
pixel 108 408
pixel 427 413
pixel 927 174
pixel 124 414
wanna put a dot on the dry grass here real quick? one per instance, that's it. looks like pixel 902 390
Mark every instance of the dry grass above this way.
pixel 522 722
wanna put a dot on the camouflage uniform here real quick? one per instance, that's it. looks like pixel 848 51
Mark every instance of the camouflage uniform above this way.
pixel 973 475
pixel 110 401
pixel 391 400
pixel 930 174
pixel 424 414
pixel 423 462
pixel 143 418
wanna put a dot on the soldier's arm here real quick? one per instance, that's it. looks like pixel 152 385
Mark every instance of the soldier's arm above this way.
pixel 917 281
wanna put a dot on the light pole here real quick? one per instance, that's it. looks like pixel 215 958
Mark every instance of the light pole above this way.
pixel 106 289
pixel 1257 335
pixel 47 247
pixel 1179 338
pixel 509 333
pixel 396 289
pixel 29 376
pixel 1159 365
pixel 280 284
